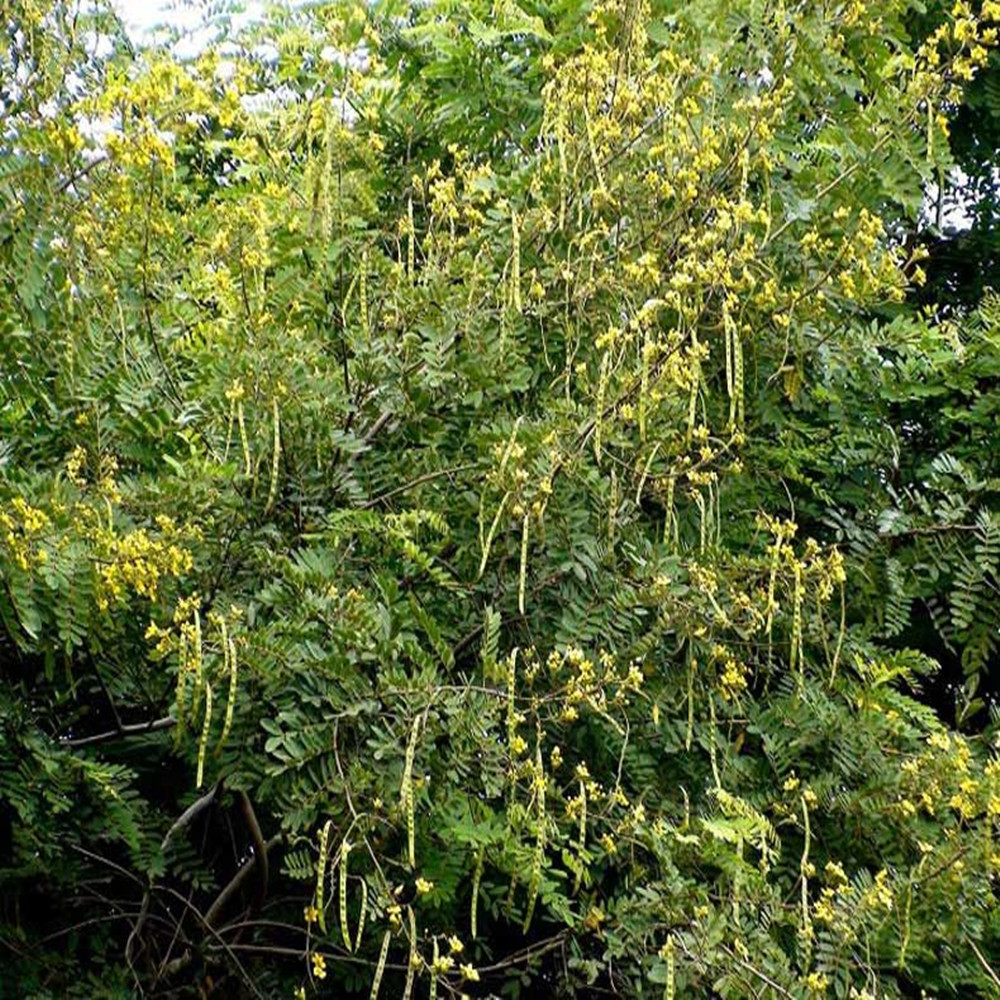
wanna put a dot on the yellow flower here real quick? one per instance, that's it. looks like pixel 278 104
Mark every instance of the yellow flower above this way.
pixel 455 945
pixel 311 914
pixel 424 886
pixel 469 973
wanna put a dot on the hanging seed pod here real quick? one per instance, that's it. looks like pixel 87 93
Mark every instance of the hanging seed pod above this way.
pixel 411 237
pixel 406 792
pixel 738 376
pixel 490 535
pixel 324 836
pixel 515 271
pixel 182 672
pixel 196 653
pixel 414 960
pixel 563 171
pixel 477 876
pixel 205 729
pixel 362 914
pixel 244 440
pixel 380 967
pixel 231 701
pixel 522 577
pixel 345 850
pixel 645 351
pixel 806 930
pixel 602 388
pixel 598 173
pixel 670 955
pixel 795 654
pixel 535 880
pixel 363 294
pixel 272 491
pixel 432 995
pixel 511 707
pixel 581 837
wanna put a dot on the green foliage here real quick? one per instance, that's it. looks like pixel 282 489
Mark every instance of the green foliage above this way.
pixel 469 478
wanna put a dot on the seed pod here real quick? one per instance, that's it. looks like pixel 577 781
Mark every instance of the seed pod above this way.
pixel 363 293
pixel 645 351
pixel 670 989
pixel 477 877
pixel 229 645
pixel 413 961
pixel 244 441
pixel 582 837
pixel 196 653
pixel 515 271
pixel 324 836
pixel 411 236
pixel 523 572
pixel 272 491
pixel 205 728
pixel 345 930
pixel 795 654
pixel 491 533
pixel 406 791
pixel 182 672
pixel 362 913
pixel 593 147
pixel 602 387
pixel 434 978
pixel 738 376
pixel 563 171
pixel 539 857
pixel 380 967
pixel 511 707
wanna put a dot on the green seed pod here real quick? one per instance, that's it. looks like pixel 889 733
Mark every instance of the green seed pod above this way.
pixel 205 728
pixel 411 236
pixel 229 660
pixel 406 791
pixel 244 440
pixel 522 578
pixel 324 836
pixel 432 995
pixel 182 672
pixel 669 952
pixel 362 914
pixel 414 959
pixel 380 967
pixel 477 877
pixel 363 294
pixel 345 930
pixel 515 271
pixel 272 491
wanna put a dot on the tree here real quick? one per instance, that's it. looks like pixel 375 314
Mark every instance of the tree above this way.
pixel 405 465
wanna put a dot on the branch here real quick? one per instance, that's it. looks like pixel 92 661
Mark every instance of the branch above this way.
pixel 133 729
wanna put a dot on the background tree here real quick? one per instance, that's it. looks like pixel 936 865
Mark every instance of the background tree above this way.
pixel 425 431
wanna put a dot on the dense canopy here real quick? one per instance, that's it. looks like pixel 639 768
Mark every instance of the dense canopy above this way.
pixel 501 499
